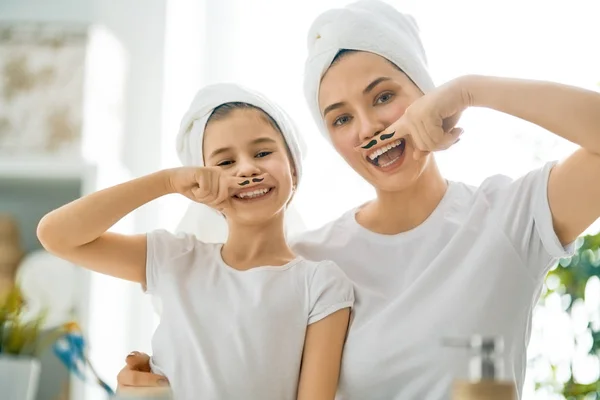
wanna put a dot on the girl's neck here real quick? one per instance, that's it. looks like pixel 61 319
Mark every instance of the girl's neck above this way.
pixel 395 212
pixel 258 245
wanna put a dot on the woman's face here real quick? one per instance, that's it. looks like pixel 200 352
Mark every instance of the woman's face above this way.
pixel 360 96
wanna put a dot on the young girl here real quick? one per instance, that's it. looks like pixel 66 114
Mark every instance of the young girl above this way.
pixel 243 319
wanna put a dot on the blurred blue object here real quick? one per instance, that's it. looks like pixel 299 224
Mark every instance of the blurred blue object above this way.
pixel 70 349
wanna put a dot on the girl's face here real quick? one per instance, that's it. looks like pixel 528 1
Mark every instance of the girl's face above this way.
pixel 361 95
pixel 244 144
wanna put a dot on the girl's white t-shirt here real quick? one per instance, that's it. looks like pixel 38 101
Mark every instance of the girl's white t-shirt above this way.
pixel 475 266
pixel 230 334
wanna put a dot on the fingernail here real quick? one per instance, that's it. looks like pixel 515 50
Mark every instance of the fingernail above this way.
pixel 133 353
pixel 457 140
pixel 163 382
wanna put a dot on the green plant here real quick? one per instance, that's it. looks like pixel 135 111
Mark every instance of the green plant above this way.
pixel 20 336
pixel 569 279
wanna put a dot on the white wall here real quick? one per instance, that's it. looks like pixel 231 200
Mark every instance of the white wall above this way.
pixel 121 318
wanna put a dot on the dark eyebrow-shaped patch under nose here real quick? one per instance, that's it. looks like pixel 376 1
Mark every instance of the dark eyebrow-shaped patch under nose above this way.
pixel 258 179
pixel 244 183
pixel 388 136
pixel 370 144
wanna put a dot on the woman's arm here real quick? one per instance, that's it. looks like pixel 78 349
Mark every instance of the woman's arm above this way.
pixel 569 112
pixel 77 231
pixel 322 357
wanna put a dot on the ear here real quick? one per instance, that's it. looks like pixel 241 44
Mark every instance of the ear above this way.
pixel 294 177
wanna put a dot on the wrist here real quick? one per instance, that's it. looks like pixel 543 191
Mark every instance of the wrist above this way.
pixel 166 182
pixel 478 89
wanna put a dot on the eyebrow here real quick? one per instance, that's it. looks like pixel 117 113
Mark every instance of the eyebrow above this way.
pixel 261 140
pixel 376 82
pixel 366 90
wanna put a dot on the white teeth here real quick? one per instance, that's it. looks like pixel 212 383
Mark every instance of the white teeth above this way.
pixel 384 149
pixel 389 163
pixel 253 194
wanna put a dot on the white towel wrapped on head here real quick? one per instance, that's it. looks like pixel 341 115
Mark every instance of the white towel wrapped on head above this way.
pixel 191 131
pixel 204 222
pixel 367 25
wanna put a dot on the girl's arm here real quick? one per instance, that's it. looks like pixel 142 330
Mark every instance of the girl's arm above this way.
pixel 77 231
pixel 322 357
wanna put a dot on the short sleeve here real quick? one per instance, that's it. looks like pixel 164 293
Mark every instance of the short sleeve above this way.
pixel 330 291
pixel 164 251
pixel 524 214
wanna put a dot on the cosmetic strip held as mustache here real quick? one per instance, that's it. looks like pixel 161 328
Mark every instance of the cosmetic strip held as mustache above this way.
pixel 382 137
pixel 247 182
pixel 388 136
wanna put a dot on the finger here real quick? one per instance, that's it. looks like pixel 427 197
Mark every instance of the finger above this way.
pixel 398 129
pixel 427 134
pixel 415 151
pixel 235 183
pixel 417 135
pixel 128 377
pixel 215 181
pixel 451 138
pixel 256 180
pixel 450 122
pixel 419 154
pixel 199 194
pixel 227 187
pixel 202 191
pixel 138 361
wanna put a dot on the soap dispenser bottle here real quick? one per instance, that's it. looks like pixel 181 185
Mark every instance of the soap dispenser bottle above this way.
pixel 486 369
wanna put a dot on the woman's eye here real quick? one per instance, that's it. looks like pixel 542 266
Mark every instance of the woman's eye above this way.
pixel 384 98
pixel 344 119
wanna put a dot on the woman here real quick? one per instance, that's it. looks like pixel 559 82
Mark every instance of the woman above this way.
pixel 429 258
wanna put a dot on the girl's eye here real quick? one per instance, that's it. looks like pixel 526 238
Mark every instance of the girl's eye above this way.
pixel 224 163
pixel 263 154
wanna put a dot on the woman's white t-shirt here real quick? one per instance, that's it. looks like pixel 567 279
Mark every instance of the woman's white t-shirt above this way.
pixel 475 266
pixel 230 334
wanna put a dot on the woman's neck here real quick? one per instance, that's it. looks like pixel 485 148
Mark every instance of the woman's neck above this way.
pixel 395 212
pixel 257 245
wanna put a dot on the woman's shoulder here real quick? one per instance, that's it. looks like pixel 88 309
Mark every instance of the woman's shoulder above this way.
pixel 496 187
pixel 328 233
